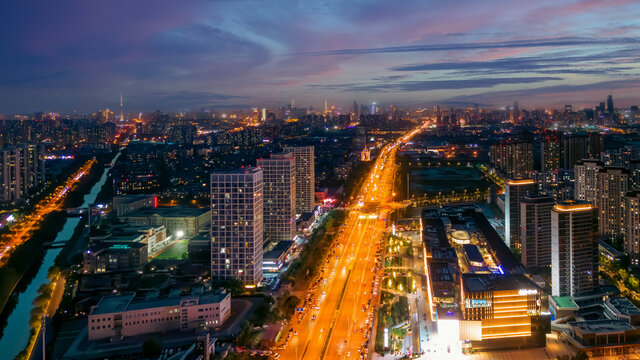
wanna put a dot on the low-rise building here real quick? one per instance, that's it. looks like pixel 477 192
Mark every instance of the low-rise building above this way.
pixel 126 315
pixel 179 221
pixel 155 236
pixel 108 257
pixel 126 204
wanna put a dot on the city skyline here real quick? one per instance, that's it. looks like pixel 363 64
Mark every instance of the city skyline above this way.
pixel 174 57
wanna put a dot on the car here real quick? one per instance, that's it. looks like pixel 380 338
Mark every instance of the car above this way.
pixel 348 353
pixel 313 317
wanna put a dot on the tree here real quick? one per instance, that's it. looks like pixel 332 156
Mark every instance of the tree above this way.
pixel 151 348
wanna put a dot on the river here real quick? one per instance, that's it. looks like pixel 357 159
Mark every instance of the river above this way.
pixel 17 332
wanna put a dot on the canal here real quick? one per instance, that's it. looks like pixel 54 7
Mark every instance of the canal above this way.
pixel 17 332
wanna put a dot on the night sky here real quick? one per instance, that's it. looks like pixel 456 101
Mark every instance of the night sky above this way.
pixel 185 55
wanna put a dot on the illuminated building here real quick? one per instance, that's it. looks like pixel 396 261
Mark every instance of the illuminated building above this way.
pixel 632 226
pixel 535 230
pixel 500 311
pixel 279 184
pixel 305 177
pixel 237 225
pixel 513 159
pixel 21 171
pixel 107 257
pixel 613 184
pixel 127 315
pixel 126 204
pixel 574 248
pixel 179 221
pixel 596 145
pixel 550 152
pixel 586 180
pixel 515 191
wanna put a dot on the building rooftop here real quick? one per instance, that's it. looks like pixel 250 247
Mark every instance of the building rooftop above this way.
pixel 169 211
pixel 601 326
pixel 624 306
pixel 126 199
pixel 128 302
pixel 493 282
pixel 565 302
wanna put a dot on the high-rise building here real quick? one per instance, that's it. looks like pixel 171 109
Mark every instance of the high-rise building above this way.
pixel 634 174
pixel 574 149
pixel 279 183
pixel 596 145
pixel 613 185
pixel 21 171
pixel 574 248
pixel 586 180
pixel 516 111
pixel 535 230
pixel 305 177
pixel 513 159
pixel 550 152
pixel 237 225
pixel 610 104
pixel 632 226
pixel 515 191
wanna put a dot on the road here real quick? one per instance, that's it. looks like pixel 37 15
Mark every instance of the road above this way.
pixel 21 231
pixel 340 328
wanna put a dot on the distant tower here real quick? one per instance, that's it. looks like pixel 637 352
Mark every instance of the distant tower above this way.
pixel 326 107
pixel 121 107
pixel 610 104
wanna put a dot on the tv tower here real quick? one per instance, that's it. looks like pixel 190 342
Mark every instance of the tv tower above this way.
pixel 121 107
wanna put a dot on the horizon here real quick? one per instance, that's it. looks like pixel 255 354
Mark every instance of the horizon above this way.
pixel 187 56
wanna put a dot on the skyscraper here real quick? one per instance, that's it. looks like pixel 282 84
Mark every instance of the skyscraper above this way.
pixel 613 185
pixel 610 104
pixel 586 180
pixel 305 177
pixel 513 158
pixel 279 184
pixel 535 230
pixel 574 248
pixel 237 225
pixel 21 171
pixel 515 191
pixel 550 152
pixel 632 226
pixel 574 149
pixel 596 145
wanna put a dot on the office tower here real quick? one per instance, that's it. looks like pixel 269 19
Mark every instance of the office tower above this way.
pixel 586 180
pixel 279 184
pixel 596 145
pixel 574 149
pixel 515 191
pixel 632 226
pixel 550 151
pixel 513 158
pixel 237 225
pixel 21 171
pixel 305 177
pixel 516 111
pixel 613 184
pixel 610 104
pixel 535 230
pixel 574 248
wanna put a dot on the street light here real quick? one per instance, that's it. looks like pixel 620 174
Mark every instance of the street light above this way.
pixel 179 233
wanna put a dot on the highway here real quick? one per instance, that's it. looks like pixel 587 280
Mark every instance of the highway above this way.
pixel 336 321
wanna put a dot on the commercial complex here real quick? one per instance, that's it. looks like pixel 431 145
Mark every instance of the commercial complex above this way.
pixel 279 184
pixel 127 315
pixel 237 225
pixel 305 177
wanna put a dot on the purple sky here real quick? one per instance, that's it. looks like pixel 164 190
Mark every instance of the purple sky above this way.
pixel 184 55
